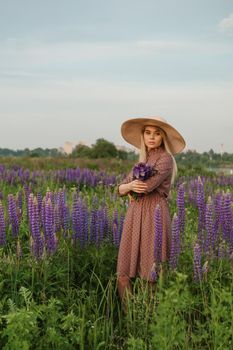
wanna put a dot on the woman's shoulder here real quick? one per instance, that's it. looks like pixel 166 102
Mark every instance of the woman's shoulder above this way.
pixel 166 157
pixel 161 154
pixel 165 154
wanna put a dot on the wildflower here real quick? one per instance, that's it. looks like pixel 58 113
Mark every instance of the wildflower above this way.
pixel 210 236
pixel 157 241
pixel 175 242
pixel 2 226
pixel 35 227
pixel 13 215
pixel 115 228
pixel 142 172
pixel 201 207
pixel 49 226
pixel 181 207
pixel 80 221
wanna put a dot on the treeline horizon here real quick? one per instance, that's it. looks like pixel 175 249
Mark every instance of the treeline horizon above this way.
pixel 105 149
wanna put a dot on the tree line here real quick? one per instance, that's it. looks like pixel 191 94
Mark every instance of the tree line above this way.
pixel 101 149
pixel 105 149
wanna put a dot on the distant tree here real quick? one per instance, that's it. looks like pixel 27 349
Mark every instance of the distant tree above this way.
pixel 26 152
pixel 211 153
pixel 103 149
pixel 81 151
pixel 131 155
pixel 34 155
pixel 122 154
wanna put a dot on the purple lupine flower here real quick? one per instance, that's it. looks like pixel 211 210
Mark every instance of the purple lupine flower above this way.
pixel 85 222
pixel 107 224
pixel 36 235
pixel 49 194
pixel 157 243
pixel 57 223
pixel 50 238
pixel 201 208
pixel 181 207
pixel 100 216
pixel 30 210
pixel 154 273
pixel 231 242
pixel 228 218
pixel 13 218
pixel 27 192
pixel 2 226
pixel 197 262
pixel 115 228
pixel 78 221
pixel 222 250
pixel 142 171
pixel 217 209
pixel 209 224
pixel 175 243
pixel 191 196
pixel 93 225
pixel 61 202
pixel 42 213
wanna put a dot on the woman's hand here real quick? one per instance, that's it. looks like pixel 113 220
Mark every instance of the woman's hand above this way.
pixel 134 186
pixel 138 186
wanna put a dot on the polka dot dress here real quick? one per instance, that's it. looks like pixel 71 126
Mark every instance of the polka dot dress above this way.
pixel 136 251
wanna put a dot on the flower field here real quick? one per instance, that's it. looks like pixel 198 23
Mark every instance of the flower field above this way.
pixel 59 236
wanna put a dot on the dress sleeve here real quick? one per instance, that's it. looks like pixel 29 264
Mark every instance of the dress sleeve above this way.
pixel 163 169
pixel 126 180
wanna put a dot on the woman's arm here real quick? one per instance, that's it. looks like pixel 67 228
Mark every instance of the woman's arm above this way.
pixel 135 186
pixel 123 186
pixel 128 184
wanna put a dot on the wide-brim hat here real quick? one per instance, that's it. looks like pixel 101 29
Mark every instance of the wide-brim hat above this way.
pixel 131 131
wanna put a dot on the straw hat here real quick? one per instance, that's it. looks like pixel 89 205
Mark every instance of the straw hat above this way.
pixel 131 131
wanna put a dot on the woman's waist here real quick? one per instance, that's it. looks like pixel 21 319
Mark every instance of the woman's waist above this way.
pixel 157 193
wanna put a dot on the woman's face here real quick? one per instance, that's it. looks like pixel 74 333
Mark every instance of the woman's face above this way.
pixel 152 137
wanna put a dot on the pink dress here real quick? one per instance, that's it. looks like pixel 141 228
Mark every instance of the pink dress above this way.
pixel 136 250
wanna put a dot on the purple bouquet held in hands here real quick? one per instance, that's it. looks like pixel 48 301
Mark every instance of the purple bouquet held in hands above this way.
pixel 142 172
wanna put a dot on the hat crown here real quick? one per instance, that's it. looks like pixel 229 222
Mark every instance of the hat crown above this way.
pixel 159 119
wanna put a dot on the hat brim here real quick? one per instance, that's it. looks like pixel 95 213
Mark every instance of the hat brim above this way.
pixel 131 131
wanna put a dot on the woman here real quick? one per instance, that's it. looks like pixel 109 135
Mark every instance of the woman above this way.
pixel 157 141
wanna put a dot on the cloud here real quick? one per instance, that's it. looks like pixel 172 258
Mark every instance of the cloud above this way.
pixel 226 24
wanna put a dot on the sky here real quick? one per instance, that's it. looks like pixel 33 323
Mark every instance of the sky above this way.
pixel 74 70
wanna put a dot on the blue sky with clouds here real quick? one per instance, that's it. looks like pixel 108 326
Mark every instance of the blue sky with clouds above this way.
pixel 75 70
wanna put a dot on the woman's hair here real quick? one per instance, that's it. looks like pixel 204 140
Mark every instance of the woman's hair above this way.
pixel 143 154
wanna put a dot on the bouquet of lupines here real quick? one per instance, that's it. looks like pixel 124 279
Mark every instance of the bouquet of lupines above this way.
pixel 142 172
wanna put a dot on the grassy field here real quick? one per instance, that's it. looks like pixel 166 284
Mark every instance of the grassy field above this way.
pixel 60 231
